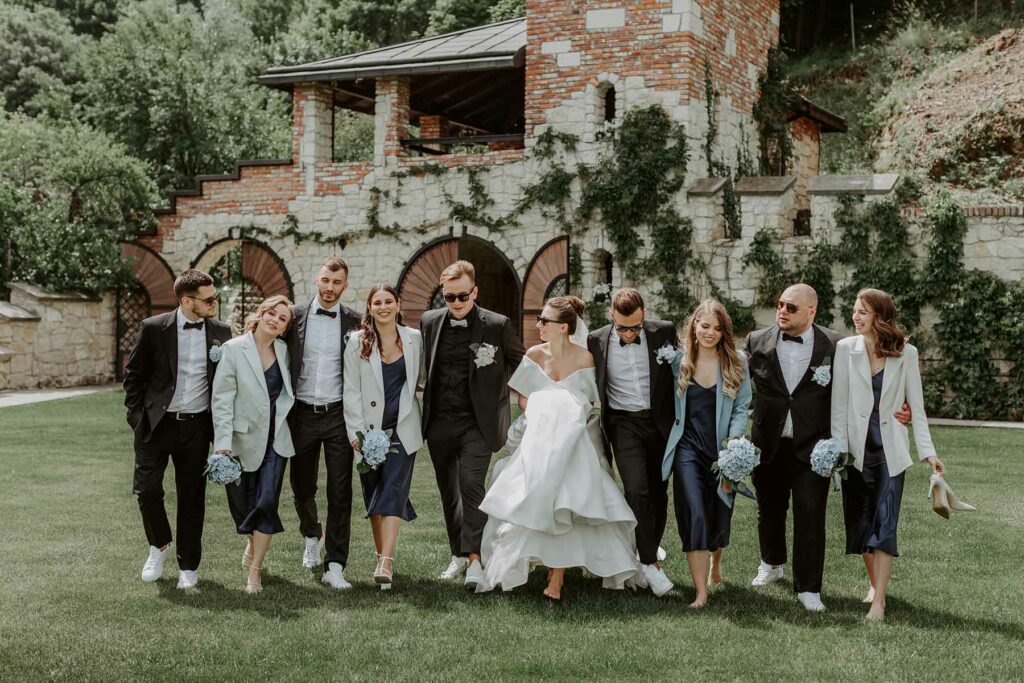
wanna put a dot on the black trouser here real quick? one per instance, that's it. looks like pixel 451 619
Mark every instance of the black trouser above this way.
pixel 638 448
pixel 186 443
pixel 461 457
pixel 310 431
pixel 773 481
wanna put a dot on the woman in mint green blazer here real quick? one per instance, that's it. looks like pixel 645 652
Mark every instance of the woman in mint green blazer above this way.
pixel 712 400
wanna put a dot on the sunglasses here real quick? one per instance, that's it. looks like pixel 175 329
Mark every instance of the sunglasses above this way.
pixel 792 308
pixel 545 321
pixel 452 298
pixel 209 301
pixel 622 329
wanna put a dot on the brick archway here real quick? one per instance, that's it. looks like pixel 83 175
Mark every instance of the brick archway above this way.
pixel 153 294
pixel 246 272
pixel 548 272
pixel 496 277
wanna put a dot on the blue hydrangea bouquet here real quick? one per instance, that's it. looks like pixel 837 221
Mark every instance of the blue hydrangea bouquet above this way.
pixel 222 469
pixel 735 463
pixel 827 460
pixel 374 447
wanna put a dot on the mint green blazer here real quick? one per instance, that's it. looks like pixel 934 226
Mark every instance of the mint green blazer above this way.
pixel 730 414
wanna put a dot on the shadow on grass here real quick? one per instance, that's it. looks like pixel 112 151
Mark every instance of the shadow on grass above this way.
pixel 583 599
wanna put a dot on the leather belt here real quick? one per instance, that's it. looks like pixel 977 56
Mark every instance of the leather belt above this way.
pixel 322 408
pixel 642 414
pixel 182 417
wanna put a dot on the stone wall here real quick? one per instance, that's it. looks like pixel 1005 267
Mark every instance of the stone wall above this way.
pixel 55 340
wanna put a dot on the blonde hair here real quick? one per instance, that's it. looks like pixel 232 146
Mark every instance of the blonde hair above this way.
pixel 457 270
pixel 728 357
pixel 268 305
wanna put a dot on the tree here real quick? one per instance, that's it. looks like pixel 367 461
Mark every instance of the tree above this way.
pixel 38 66
pixel 455 15
pixel 69 195
pixel 179 88
pixel 508 9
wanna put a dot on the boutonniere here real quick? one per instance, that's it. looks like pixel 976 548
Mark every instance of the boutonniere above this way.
pixel 215 351
pixel 484 354
pixel 667 354
pixel 823 373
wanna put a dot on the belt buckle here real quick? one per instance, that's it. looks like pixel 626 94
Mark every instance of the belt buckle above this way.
pixel 317 409
pixel 179 418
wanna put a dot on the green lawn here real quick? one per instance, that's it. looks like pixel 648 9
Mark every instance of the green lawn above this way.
pixel 73 608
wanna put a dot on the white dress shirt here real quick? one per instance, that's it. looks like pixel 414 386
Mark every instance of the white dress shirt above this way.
pixel 794 358
pixel 629 375
pixel 191 389
pixel 320 378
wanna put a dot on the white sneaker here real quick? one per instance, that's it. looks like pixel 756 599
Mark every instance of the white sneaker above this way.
pixel 455 567
pixel 656 579
pixel 188 579
pixel 661 554
pixel 154 567
pixel 311 555
pixel 811 601
pixel 335 577
pixel 474 573
pixel 766 574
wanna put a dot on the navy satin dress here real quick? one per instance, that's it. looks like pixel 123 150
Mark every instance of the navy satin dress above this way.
pixel 253 499
pixel 386 489
pixel 702 517
pixel 871 499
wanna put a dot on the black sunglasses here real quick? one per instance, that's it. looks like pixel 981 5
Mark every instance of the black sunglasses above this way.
pixel 463 297
pixel 544 321
pixel 208 301
pixel 792 308
pixel 628 328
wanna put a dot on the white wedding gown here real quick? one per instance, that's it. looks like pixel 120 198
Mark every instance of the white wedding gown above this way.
pixel 553 502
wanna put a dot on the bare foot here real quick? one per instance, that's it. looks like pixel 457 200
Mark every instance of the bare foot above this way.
pixel 871 595
pixel 700 602
pixel 554 588
pixel 876 613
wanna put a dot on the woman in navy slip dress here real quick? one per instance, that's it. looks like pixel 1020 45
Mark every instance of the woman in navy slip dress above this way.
pixel 386 489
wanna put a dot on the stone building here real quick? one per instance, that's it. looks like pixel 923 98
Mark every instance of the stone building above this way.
pixel 457 119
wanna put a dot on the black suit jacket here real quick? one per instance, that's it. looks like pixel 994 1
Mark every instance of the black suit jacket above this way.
pixel 151 373
pixel 296 338
pixel 810 403
pixel 659 333
pixel 488 386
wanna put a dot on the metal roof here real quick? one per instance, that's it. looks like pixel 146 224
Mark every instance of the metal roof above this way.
pixel 495 46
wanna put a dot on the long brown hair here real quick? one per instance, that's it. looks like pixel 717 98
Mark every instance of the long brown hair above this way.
pixel 368 326
pixel 728 357
pixel 890 338
pixel 268 305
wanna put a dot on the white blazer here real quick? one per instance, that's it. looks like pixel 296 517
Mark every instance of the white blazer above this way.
pixel 364 389
pixel 241 404
pixel 853 400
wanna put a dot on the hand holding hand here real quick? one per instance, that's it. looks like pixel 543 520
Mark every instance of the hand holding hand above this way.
pixel 903 415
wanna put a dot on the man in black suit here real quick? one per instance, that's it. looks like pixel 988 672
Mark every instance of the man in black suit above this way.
pixel 316 347
pixel 637 414
pixel 167 384
pixel 470 353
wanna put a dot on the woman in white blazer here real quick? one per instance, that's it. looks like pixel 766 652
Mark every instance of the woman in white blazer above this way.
pixel 252 395
pixel 382 368
pixel 875 371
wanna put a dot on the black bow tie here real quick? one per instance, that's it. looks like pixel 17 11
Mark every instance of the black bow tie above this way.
pixel 329 314
pixel 197 325
pixel 458 323
pixel 623 342
pixel 789 337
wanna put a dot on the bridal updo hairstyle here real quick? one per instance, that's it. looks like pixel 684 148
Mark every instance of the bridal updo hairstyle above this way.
pixel 268 305
pixel 889 336
pixel 728 357
pixel 568 310
pixel 368 326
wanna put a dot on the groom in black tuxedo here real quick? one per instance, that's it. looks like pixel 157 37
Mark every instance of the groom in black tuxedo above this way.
pixel 637 414
pixel 167 384
pixel 469 354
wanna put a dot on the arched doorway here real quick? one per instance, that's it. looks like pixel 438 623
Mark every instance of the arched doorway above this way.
pixel 547 276
pixel 496 277
pixel 152 294
pixel 245 272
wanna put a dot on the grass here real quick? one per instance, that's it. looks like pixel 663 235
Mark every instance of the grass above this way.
pixel 73 608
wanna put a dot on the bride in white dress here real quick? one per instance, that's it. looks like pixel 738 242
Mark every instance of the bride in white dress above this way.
pixel 553 502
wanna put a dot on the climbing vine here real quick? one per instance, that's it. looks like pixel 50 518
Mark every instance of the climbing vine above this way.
pixel 770 114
